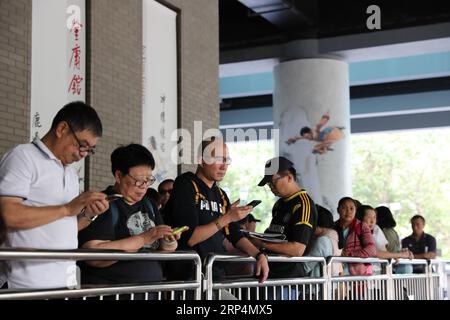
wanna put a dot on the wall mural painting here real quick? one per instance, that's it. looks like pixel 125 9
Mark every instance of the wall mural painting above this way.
pixel 306 144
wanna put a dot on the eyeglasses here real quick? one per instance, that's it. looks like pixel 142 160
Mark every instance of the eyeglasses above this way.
pixel 164 191
pixel 140 183
pixel 272 183
pixel 82 148
pixel 218 160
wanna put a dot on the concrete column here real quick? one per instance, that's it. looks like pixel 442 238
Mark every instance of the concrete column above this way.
pixel 305 90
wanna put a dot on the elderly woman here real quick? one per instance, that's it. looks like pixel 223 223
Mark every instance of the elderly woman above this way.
pixel 132 223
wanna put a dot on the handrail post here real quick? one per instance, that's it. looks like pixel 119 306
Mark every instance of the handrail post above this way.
pixel 445 289
pixel 429 281
pixel 208 281
pixel 327 294
pixel 198 278
pixel 441 273
pixel 390 280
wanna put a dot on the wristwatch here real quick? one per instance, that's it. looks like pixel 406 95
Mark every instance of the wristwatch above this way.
pixel 216 222
pixel 263 248
pixel 260 253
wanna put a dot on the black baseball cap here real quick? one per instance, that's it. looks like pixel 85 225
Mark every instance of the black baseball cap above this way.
pixel 273 166
pixel 248 218
pixel 251 218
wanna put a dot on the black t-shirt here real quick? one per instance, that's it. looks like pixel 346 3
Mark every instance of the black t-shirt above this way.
pixel 190 207
pixel 426 243
pixel 295 217
pixel 131 220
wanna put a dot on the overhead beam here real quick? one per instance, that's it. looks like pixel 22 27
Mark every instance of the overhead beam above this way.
pixel 283 14
pixel 401 122
pixel 359 47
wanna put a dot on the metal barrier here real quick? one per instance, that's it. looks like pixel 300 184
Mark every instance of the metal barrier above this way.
pixel 439 271
pixel 430 285
pixel 434 279
pixel 445 279
pixel 415 286
pixel 250 289
pixel 170 290
pixel 385 286
pixel 373 287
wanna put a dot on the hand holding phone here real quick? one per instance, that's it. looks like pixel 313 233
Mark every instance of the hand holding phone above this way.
pixel 113 197
pixel 254 203
pixel 179 230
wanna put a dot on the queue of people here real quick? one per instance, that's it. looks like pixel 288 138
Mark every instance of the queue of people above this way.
pixel 130 216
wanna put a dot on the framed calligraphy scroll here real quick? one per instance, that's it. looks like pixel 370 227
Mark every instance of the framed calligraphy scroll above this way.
pixel 160 100
pixel 58 60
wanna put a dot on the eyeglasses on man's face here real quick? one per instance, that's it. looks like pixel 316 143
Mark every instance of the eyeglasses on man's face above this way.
pixel 273 182
pixel 143 182
pixel 82 147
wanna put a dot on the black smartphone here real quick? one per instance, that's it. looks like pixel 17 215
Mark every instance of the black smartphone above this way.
pixel 114 197
pixel 254 203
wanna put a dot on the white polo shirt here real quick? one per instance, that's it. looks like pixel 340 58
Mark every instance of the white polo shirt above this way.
pixel 32 172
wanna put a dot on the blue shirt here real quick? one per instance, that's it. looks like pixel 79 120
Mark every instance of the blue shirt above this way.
pixel 321 247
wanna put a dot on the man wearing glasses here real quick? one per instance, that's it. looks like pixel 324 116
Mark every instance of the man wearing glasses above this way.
pixel 132 222
pixel 293 215
pixel 199 203
pixel 39 196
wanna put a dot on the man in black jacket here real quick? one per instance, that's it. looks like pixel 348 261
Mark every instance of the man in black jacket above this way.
pixel 293 215
pixel 200 204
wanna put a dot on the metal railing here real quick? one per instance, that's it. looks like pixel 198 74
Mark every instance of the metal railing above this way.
pixel 387 285
pixel 158 290
pixel 445 279
pixel 440 277
pixel 432 284
pixel 250 289
pixel 373 287
pixel 408 285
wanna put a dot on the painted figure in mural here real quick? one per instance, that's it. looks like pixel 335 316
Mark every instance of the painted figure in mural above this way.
pixel 324 136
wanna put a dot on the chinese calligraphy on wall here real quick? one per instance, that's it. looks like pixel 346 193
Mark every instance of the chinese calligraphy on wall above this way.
pixel 75 85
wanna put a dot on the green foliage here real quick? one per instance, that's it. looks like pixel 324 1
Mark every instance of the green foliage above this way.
pixel 409 170
pixel 245 172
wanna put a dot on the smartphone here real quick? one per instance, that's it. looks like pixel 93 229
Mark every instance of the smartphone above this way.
pixel 254 203
pixel 180 230
pixel 113 197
